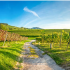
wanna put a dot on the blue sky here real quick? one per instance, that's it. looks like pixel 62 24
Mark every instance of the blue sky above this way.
pixel 43 14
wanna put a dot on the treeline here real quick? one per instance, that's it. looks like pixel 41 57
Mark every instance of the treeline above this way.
pixel 55 37
pixel 10 36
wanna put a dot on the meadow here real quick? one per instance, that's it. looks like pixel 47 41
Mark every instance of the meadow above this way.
pixel 9 54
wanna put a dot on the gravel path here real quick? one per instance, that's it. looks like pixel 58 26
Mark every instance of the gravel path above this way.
pixel 43 62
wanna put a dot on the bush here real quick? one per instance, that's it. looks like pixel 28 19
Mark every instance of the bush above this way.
pixel 38 39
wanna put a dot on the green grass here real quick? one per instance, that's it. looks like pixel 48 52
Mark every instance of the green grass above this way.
pixel 32 38
pixel 60 55
pixel 37 32
pixel 9 54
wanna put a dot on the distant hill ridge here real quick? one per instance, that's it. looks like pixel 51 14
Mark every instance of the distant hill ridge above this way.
pixel 36 28
pixel 5 26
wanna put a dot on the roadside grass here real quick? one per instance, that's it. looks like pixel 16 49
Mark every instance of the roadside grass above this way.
pixel 60 55
pixel 9 54
pixel 33 54
pixel 31 38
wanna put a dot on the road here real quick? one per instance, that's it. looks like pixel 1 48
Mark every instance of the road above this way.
pixel 43 62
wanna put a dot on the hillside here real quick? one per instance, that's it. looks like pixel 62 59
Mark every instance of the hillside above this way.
pixel 7 27
pixel 35 32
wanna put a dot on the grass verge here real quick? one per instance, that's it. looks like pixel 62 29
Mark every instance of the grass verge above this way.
pixel 32 38
pixel 9 54
pixel 32 53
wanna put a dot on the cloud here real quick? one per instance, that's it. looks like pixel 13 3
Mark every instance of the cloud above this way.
pixel 34 13
pixel 30 22
pixel 57 25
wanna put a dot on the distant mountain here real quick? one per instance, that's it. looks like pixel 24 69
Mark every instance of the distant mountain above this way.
pixel 36 28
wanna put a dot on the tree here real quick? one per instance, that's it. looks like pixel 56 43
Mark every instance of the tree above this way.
pixel 2 27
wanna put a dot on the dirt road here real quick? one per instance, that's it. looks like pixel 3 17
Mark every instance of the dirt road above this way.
pixel 39 61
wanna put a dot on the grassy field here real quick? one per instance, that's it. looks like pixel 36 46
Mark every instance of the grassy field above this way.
pixel 37 32
pixel 60 55
pixel 32 38
pixel 9 54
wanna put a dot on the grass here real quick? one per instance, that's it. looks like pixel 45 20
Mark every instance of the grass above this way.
pixel 9 54
pixel 60 55
pixel 32 38
pixel 33 53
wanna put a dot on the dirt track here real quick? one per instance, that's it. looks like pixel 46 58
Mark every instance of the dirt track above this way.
pixel 43 62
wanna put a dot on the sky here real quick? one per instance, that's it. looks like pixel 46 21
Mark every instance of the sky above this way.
pixel 43 14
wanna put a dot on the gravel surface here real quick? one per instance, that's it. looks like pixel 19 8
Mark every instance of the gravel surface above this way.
pixel 43 62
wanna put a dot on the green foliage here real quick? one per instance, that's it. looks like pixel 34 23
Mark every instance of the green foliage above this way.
pixel 38 39
pixel 2 27
pixel 65 37
pixel 55 37
pixel 37 32
pixel 9 54
pixel 7 27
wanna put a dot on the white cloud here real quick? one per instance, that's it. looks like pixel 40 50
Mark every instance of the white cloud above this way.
pixel 30 22
pixel 34 13
pixel 57 25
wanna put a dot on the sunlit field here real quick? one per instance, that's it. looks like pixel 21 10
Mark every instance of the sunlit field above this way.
pixel 9 54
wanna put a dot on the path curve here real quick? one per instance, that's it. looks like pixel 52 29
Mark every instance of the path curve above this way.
pixel 43 62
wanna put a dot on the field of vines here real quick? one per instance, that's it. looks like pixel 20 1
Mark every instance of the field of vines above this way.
pixel 4 35
pixel 57 46
pixel 37 32
pixel 55 37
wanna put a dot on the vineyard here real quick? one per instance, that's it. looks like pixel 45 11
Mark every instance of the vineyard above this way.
pixel 55 37
pixel 10 36
pixel 37 32
pixel 56 45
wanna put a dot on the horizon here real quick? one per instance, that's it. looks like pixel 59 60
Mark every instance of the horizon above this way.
pixel 42 14
pixel 25 27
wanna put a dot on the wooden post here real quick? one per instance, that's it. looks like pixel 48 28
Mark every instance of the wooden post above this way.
pixel 39 44
pixel 5 39
pixel 52 40
pixel 69 38
pixel 50 46
pixel 68 41
pixel 60 39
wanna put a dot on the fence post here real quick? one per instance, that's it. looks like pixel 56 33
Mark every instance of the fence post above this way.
pixel 68 41
pixel 52 41
pixel 60 39
pixel 69 38
pixel 39 44
pixel 5 39
pixel 50 45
